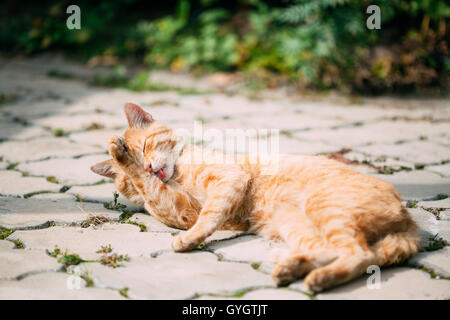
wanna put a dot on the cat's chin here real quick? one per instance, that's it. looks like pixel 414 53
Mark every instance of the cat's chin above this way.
pixel 164 174
pixel 167 177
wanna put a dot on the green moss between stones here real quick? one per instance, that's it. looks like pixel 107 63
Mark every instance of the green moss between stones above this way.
pixel 256 265
pixel 89 281
pixel 238 294
pixel 59 132
pixel 113 260
pixel 12 166
pixel 431 272
pixel 55 253
pixel 64 189
pixel 125 216
pixel 70 259
pixel 5 232
pixel 286 133
pixel 105 249
pixel 65 258
pixel 100 182
pixel 201 246
pixel 411 204
pixel 52 179
pixel 18 244
pixel 115 205
pixel 435 243
pixel 124 292
pixel 141 226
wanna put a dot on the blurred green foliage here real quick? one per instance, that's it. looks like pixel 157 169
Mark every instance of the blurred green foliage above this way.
pixel 316 43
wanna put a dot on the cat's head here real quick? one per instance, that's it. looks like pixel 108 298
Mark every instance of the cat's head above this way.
pixel 158 144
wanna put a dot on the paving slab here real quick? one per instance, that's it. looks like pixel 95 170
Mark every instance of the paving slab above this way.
pixel 248 248
pixel 396 284
pixel 55 197
pixel 429 226
pixel 42 148
pixel 54 286
pixel 443 139
pixel 291 121
pixel 442 169
pixel 36 109
pixel 10 130
pixel 379 161
pixel 438 261
pixel 102 193
pixel 170 114
pixel 18 263
pixel 15 184
pixel 417 184
pixel 367 112
pixel 3 164
pixel 222 235
pixel 112 101
pixel 67 171
pixel 81 122
pixel 420 152
pixel 98 138
pixel 294 145
pixel 179 276
pixel 445 215
pixel 371 133
pixel 262 294
pixel 152 224
pixel 443 203
pixel 34 213
pixel 123 238
pixel 230 107
pixel 6 245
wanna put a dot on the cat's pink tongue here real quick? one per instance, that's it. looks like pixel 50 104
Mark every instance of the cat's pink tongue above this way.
pixel 160 174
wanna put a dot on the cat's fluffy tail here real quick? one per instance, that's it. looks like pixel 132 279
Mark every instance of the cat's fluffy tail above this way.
pixel 397 247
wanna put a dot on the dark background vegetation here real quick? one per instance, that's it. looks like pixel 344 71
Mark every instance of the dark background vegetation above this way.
pixel 319 44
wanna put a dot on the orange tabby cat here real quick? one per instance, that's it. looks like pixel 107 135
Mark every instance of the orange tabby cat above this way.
pixel 335 220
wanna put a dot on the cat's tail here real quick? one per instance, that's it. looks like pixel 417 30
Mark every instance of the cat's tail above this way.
pixel 397 247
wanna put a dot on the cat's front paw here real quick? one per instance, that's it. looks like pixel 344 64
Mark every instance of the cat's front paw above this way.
pixel 179 245
pixel 118 149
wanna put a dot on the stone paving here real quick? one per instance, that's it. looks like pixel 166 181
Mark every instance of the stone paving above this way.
pixel 59 241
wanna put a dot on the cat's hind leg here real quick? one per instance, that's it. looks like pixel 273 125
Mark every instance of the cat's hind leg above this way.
pixel 354 255
pixel 307 250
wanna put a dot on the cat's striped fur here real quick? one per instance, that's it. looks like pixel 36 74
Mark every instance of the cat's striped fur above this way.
pixel 335 220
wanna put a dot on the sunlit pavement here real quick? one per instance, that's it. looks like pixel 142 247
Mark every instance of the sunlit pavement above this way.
pixel 61 242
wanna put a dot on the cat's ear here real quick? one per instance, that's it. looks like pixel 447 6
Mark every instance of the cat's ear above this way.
pixel 137 118
pixel 105 169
